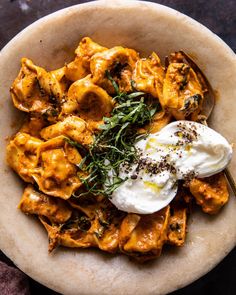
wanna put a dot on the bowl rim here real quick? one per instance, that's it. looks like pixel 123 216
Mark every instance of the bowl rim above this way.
pixel 116 4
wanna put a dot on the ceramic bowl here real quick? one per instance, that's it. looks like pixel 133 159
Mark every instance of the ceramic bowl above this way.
pixel 50 43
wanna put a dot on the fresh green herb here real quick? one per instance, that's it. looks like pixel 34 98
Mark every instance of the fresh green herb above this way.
pixel 101 220
pixel 99 233
pixel 191 104
pixel 132 82
pixel 84 223
pixel 76 145
pixel 103 223
pixel 114 145
pixel 81 222
pixel 81 165
pixel 112 82
pixel 49 113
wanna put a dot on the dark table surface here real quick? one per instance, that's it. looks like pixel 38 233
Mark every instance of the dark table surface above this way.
pixel 220 17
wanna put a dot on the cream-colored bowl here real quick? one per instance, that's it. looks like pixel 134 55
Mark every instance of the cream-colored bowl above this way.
pixel 50 42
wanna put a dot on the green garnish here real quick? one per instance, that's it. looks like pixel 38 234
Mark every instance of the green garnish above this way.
pixel 75 144
pixel 114 145
pixel 80 222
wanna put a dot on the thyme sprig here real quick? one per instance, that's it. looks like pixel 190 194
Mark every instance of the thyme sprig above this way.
pixel 115 144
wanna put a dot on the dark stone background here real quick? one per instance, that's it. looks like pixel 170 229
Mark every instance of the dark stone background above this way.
pixel 217 15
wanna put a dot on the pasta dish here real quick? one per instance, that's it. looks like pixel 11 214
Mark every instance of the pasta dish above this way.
pixel 111 150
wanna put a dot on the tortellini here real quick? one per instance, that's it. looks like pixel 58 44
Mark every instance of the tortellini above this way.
pixel 34 202
pixel 144 236
pixel 57 174
pixel 182 92
pixel 22 155
pixel 51 164
pixel 211 193
pixel 119 63
pixel 80 67
pixel 87 100
pixel 72 127
pixel 36 90
pixel 96 226
pixel 65 109
pixel 148 75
